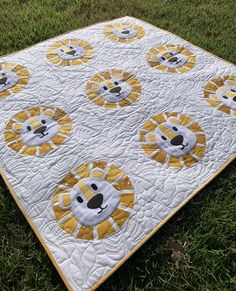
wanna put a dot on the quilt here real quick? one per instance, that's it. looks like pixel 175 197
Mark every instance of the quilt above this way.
pixel 108 131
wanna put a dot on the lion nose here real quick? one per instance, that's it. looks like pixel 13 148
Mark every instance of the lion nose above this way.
pixel 234 98
pixel 115 90
pixel 174 59
pixel 3 80
pixel 95 201
pixel 40 129
pixel 72 52
pixel 177 140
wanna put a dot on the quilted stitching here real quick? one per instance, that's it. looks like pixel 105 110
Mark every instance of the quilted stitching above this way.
pixel 134 149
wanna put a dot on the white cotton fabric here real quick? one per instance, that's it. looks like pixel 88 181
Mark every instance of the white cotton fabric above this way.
pixel 113 136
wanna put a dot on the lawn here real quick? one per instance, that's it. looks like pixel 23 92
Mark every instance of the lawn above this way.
pixel 196 249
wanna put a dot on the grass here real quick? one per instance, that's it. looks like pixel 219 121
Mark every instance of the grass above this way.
pixel 196 249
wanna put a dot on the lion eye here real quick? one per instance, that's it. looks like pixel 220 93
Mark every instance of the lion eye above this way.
pixel 28 128
pixel 232 90
pixel 62 50
pixel 175 128
pixel 116 83
pixel 163 58
pixel 3 74
pixel 163 137
pixel 225 97
pixel 94 186
pixel 105 87
pixel 43 121
pixel 80 199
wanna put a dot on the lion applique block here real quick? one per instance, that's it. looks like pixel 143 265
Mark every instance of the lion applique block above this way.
pixel 69 52
pixel 113 89
pixel 93 201
pixel 173 139
pixel 37 130
pixel 13 78
pixel 171 58
pixel 220 93
pixel 123 32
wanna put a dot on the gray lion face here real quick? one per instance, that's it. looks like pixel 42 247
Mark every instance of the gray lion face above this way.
pixel 70 52
pixel 8 79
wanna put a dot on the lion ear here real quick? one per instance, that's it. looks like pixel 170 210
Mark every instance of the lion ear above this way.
pixel 154 59
pixel 151 137
pixel 17 127
pixel 64 201
pixel 49 113
pixel 96 88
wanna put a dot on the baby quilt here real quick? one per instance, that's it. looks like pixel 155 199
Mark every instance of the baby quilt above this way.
pixel 106 132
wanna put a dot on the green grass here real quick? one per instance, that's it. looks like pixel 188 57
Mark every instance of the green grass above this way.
pixel 196 249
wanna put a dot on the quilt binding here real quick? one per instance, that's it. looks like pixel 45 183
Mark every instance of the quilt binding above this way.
pixel 155 229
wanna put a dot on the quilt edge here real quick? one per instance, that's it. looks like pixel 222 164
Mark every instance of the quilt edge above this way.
pixel 138 246
pixel 194 45
pixel 126 16
pixel 169 216
pixel 163 222
pixel 36 231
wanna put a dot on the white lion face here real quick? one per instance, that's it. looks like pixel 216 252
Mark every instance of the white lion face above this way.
pixel 37 130
pixel 175 139
pixel 125 32
pixel 172 59
pixel 227 94
pixel 93 200
pixel 115 90
pixel 70 52
pixel 8 79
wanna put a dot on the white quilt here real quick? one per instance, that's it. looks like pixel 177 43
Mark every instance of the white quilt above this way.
pixel 106 132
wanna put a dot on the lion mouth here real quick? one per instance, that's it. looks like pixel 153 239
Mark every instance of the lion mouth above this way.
pixel 101 209
pixel 119 94
pixel 5 84
pixel 177 62
pixel 184 146
pixel 43 134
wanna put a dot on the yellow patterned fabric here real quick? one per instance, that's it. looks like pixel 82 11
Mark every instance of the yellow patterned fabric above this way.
pixel 106 132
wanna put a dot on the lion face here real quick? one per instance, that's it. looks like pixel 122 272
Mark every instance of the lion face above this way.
pixel 220 92
pixel 69 52
pixel 171 58
pixel 227 94
pixel 94 200
pixel 113 89
pixel 123 32
pixel 8 79
pixel 37 130
pixel 174 139
pixel 13 78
